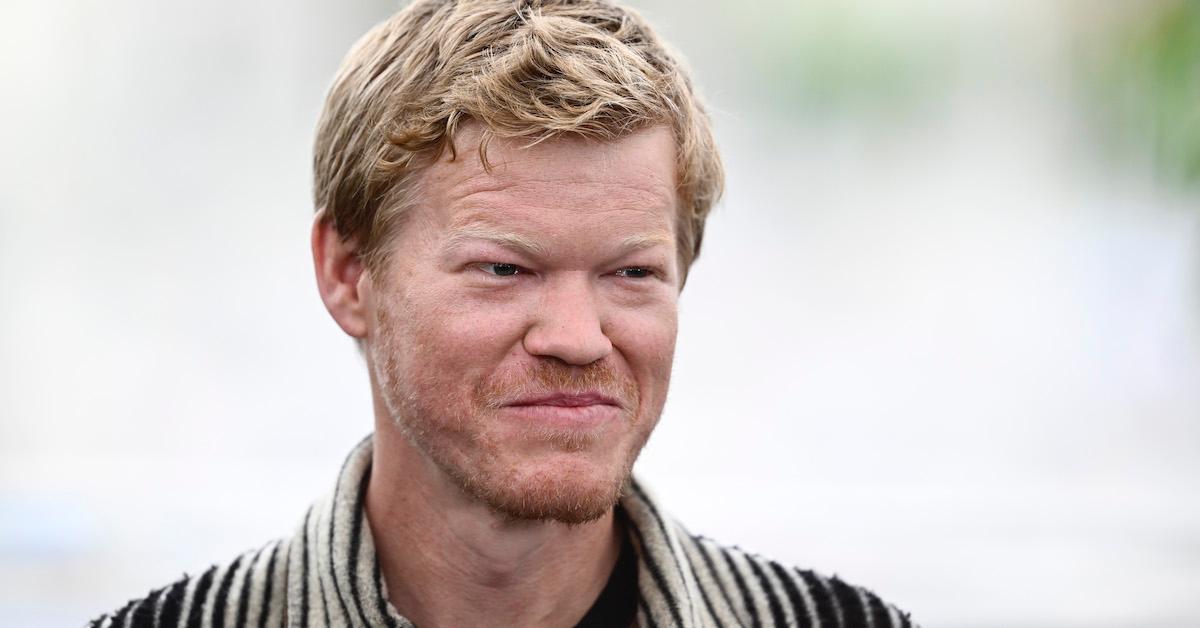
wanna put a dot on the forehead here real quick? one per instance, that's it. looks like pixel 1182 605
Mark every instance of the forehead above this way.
pixel 628 182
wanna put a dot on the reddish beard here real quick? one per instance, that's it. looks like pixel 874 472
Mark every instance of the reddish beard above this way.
pixel 549 376
pixel 464 441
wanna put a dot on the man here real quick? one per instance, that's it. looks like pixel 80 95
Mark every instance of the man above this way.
pixel 509 197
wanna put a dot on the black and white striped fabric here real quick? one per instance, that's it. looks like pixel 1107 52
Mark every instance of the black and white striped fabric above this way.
pixel 326 574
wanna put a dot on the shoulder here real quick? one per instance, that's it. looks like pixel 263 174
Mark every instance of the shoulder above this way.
pixel 743 588
pixel 724 585
pixel 247 591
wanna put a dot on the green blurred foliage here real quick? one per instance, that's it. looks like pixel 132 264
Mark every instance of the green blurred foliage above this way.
pixel 827 59
pixel 1143 76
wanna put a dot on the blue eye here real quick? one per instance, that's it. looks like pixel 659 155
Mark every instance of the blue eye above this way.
pixel 500 269
pixel 635 272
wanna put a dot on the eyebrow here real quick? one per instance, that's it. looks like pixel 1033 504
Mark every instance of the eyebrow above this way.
pixel 522 244
pixel 643 241
pixel 506 239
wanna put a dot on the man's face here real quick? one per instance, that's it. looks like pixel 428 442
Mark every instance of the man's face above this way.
pixel 524 325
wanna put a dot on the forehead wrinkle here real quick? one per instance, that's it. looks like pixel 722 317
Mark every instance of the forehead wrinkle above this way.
pixel 478 183
pixel 465 184
pixel 552 191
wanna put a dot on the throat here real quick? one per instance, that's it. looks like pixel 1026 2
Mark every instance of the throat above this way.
pixel 447 563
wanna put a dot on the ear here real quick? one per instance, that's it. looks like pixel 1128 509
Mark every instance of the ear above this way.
pixel 341 278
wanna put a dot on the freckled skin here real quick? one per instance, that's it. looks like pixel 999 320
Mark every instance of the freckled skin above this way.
pixel 445 326
pixel 556 271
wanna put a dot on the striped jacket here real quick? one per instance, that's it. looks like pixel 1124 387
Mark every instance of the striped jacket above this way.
pixel 327 574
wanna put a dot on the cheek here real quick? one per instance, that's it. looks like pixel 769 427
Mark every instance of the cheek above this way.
pixel 646 339
pixel 464 334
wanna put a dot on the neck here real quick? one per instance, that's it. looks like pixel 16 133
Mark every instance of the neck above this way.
pixel 450 561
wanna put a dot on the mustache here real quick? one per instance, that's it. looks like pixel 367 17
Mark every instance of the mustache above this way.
pixel 554 376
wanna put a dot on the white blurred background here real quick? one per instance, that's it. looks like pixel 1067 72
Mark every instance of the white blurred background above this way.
pixel 943 340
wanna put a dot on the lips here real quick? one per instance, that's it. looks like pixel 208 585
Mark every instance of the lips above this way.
pixel 566 400
pixel 565 413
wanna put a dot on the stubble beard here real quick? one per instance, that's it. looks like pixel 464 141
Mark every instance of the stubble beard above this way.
pixel 455 429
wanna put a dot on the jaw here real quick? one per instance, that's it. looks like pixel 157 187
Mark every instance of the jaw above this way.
pixel 442 439
pixel 567 478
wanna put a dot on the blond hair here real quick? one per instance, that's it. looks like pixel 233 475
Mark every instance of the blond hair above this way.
pixel 530 69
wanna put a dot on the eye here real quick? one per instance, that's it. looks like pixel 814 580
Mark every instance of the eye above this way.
pixel 500 269
pixel 635 272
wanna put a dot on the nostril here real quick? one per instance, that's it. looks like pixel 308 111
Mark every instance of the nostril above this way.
pixel 573 344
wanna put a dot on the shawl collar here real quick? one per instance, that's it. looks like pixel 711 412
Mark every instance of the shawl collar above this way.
pixel 334 578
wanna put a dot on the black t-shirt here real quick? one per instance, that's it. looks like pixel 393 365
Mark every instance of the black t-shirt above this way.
pixel 617 604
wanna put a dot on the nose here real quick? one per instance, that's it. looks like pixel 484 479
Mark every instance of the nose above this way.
pixel 567 324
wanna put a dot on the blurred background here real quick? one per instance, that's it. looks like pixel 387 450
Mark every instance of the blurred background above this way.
pixel 943 340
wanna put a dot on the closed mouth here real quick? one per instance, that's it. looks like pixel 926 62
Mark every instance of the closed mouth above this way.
pixel 567 400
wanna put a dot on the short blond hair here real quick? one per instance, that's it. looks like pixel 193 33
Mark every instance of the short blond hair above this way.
pixel 531 69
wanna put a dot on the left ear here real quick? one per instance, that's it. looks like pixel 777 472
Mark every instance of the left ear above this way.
pixel 341 278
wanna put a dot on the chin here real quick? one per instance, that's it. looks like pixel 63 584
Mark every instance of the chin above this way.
pixel 563 488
